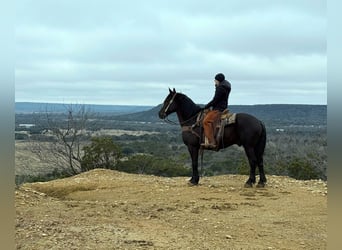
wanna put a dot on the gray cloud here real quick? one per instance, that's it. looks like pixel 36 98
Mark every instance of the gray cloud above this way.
pixel 129 52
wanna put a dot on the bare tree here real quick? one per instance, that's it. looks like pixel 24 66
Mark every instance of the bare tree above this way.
pixel 62 136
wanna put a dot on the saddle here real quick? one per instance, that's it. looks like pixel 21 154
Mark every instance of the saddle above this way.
pixel 226 119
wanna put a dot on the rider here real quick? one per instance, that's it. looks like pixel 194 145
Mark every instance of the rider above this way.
pixel 219 103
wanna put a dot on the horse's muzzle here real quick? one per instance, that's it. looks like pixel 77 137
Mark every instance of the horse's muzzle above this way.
pixel 162 115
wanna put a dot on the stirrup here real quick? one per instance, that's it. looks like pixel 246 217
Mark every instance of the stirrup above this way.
pixel 207 145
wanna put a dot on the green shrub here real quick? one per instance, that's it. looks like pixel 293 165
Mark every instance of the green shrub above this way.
pixel 21 136
pixel 27 178
pixel 301 169
pixel 148 164
pixel 101 153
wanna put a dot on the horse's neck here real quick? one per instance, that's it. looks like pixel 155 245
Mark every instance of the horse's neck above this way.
pixel 185 117
pixel 181 117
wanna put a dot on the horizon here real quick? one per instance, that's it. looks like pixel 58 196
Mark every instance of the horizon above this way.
pixel 144 105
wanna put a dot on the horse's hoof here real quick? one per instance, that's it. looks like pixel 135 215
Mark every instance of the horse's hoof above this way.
pixel 190 183
pixel 193 181
pixel 248 185
pixel 261 185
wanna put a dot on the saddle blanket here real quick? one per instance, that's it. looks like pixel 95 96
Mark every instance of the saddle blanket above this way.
pixel 228 118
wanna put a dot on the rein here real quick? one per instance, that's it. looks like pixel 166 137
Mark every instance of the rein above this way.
pixel 167 120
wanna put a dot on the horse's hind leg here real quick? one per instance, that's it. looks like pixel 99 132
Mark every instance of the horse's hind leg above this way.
pixel 262 179
pixel 252 163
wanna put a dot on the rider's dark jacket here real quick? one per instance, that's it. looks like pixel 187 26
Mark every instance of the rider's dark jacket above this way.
pixel 220 100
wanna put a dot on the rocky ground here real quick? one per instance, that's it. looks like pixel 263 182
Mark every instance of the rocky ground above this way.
pixel 104 209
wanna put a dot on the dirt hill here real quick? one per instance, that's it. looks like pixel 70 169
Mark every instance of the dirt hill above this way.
pixel 103 209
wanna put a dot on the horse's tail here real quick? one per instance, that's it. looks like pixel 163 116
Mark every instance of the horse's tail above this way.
pixel 261 144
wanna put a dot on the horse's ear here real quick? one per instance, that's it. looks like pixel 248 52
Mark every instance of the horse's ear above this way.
pixel 174 90
pixel 170 90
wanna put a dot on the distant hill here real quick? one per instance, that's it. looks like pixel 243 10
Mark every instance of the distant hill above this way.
pixel 284 113
pixel 150 115
pixel 34 107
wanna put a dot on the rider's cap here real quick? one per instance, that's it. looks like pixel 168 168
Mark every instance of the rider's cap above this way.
pixel 219 77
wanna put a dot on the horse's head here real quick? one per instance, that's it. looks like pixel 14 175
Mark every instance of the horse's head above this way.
pixel 169 105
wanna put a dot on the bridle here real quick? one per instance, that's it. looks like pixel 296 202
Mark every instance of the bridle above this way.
pixel 171 101
pixel 167 120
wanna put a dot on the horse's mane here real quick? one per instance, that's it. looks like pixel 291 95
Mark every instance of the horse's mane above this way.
pixel 188 106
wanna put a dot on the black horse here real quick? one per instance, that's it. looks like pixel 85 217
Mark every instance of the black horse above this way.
pixel 247 131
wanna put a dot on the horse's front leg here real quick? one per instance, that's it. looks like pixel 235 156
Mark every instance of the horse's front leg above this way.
pixel 194 151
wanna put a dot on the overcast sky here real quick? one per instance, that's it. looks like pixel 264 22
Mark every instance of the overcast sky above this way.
pixel 130 52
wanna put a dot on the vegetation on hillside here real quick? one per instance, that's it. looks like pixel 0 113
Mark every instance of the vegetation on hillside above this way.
pixel 296 143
